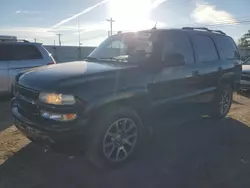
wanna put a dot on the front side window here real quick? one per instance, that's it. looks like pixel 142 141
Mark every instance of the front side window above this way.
pixel 205 49
pixel 178 43
pixel 124 47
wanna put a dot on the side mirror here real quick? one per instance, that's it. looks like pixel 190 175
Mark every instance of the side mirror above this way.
pixel 174 59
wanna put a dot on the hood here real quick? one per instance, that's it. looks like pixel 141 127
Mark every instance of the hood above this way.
pixel 53 75
pixel 246 69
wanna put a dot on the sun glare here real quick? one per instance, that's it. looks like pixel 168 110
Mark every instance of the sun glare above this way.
pixel 131 14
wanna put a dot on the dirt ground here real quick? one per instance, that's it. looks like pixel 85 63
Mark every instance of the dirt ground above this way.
pixel 193 153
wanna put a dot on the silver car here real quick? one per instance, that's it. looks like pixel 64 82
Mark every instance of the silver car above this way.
pixel 17 56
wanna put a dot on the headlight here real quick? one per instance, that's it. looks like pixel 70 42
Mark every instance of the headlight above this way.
pixel 57 99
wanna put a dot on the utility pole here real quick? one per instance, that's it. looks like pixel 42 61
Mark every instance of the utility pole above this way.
pixel 79 33
pixel 59 38
pixel 35 40
pixel 111 25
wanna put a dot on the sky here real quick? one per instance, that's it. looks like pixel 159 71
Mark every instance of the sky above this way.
pixel 42 20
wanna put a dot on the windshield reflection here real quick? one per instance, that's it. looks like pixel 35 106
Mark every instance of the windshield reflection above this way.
pixel 123 48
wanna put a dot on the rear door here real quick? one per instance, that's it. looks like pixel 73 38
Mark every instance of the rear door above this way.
pixel 207 60
pixel 176 84
pixel 230 63
pixel 23 56
pixel 4 76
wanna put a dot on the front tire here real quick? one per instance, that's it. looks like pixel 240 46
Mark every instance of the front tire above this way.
pixel 117 136
pixel 222 101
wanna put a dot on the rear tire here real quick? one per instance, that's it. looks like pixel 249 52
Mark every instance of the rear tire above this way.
pixel 222 102
pixel 117 136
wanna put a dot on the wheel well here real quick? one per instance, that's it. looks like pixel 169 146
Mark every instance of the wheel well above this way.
pixel 228 80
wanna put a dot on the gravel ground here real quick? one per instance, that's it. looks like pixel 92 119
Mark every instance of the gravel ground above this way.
pixel 195 153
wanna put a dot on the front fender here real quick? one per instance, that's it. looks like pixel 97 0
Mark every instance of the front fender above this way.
pixel 135 98
pixel 230 78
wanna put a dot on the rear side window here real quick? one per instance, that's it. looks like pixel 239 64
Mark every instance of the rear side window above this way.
pixel 178 43
pixel 205 48
pixel 17 52
pixel 227 47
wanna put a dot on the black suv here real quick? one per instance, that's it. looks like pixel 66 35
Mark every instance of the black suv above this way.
pixel 95 105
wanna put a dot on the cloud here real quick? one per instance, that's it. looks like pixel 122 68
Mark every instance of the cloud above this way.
pixel 80 13
pixel 209 14
pixel 27 12
pixel 28 33
pixel 156 3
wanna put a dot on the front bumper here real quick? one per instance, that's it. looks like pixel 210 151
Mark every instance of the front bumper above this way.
pixel 244 84
pixel 65 138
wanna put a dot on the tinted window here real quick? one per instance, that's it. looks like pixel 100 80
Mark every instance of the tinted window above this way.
pixel 117 46
pixel 12 52
pixel 4 54
pixel 205 48
pixel 178 43
pixel 227 47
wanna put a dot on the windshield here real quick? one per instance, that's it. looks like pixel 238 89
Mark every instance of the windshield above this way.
pixel 124 47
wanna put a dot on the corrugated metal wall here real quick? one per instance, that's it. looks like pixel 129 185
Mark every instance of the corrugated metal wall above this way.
pixel 69 53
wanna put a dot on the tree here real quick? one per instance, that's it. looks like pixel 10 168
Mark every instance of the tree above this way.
pixel 245 39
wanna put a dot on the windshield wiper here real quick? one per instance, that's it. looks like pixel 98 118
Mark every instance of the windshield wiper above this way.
pixel 113 59
pixel 109 59
pixel 91 58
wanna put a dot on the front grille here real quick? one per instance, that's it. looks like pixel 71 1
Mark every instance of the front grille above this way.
pixel 26 92
pixel 25 99
pixel 245 77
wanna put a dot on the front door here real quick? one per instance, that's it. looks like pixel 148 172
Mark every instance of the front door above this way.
pixel 175 83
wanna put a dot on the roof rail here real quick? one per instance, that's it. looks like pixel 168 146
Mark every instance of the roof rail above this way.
pixel 204 29
pixel 18 40
pixel 22 40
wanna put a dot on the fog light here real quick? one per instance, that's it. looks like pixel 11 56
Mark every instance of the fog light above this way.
pixel 57 116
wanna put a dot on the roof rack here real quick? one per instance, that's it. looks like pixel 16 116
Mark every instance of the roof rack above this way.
pixel 204 29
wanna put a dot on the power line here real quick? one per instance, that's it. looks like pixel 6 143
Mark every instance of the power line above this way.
pixel 219 24
pixel 92 38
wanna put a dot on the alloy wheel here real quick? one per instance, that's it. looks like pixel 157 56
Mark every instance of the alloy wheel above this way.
pixel 225 101
pixel 120 139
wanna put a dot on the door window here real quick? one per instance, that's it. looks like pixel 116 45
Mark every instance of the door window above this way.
pixel 178 43
pixel 205 49
pixel 18 52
